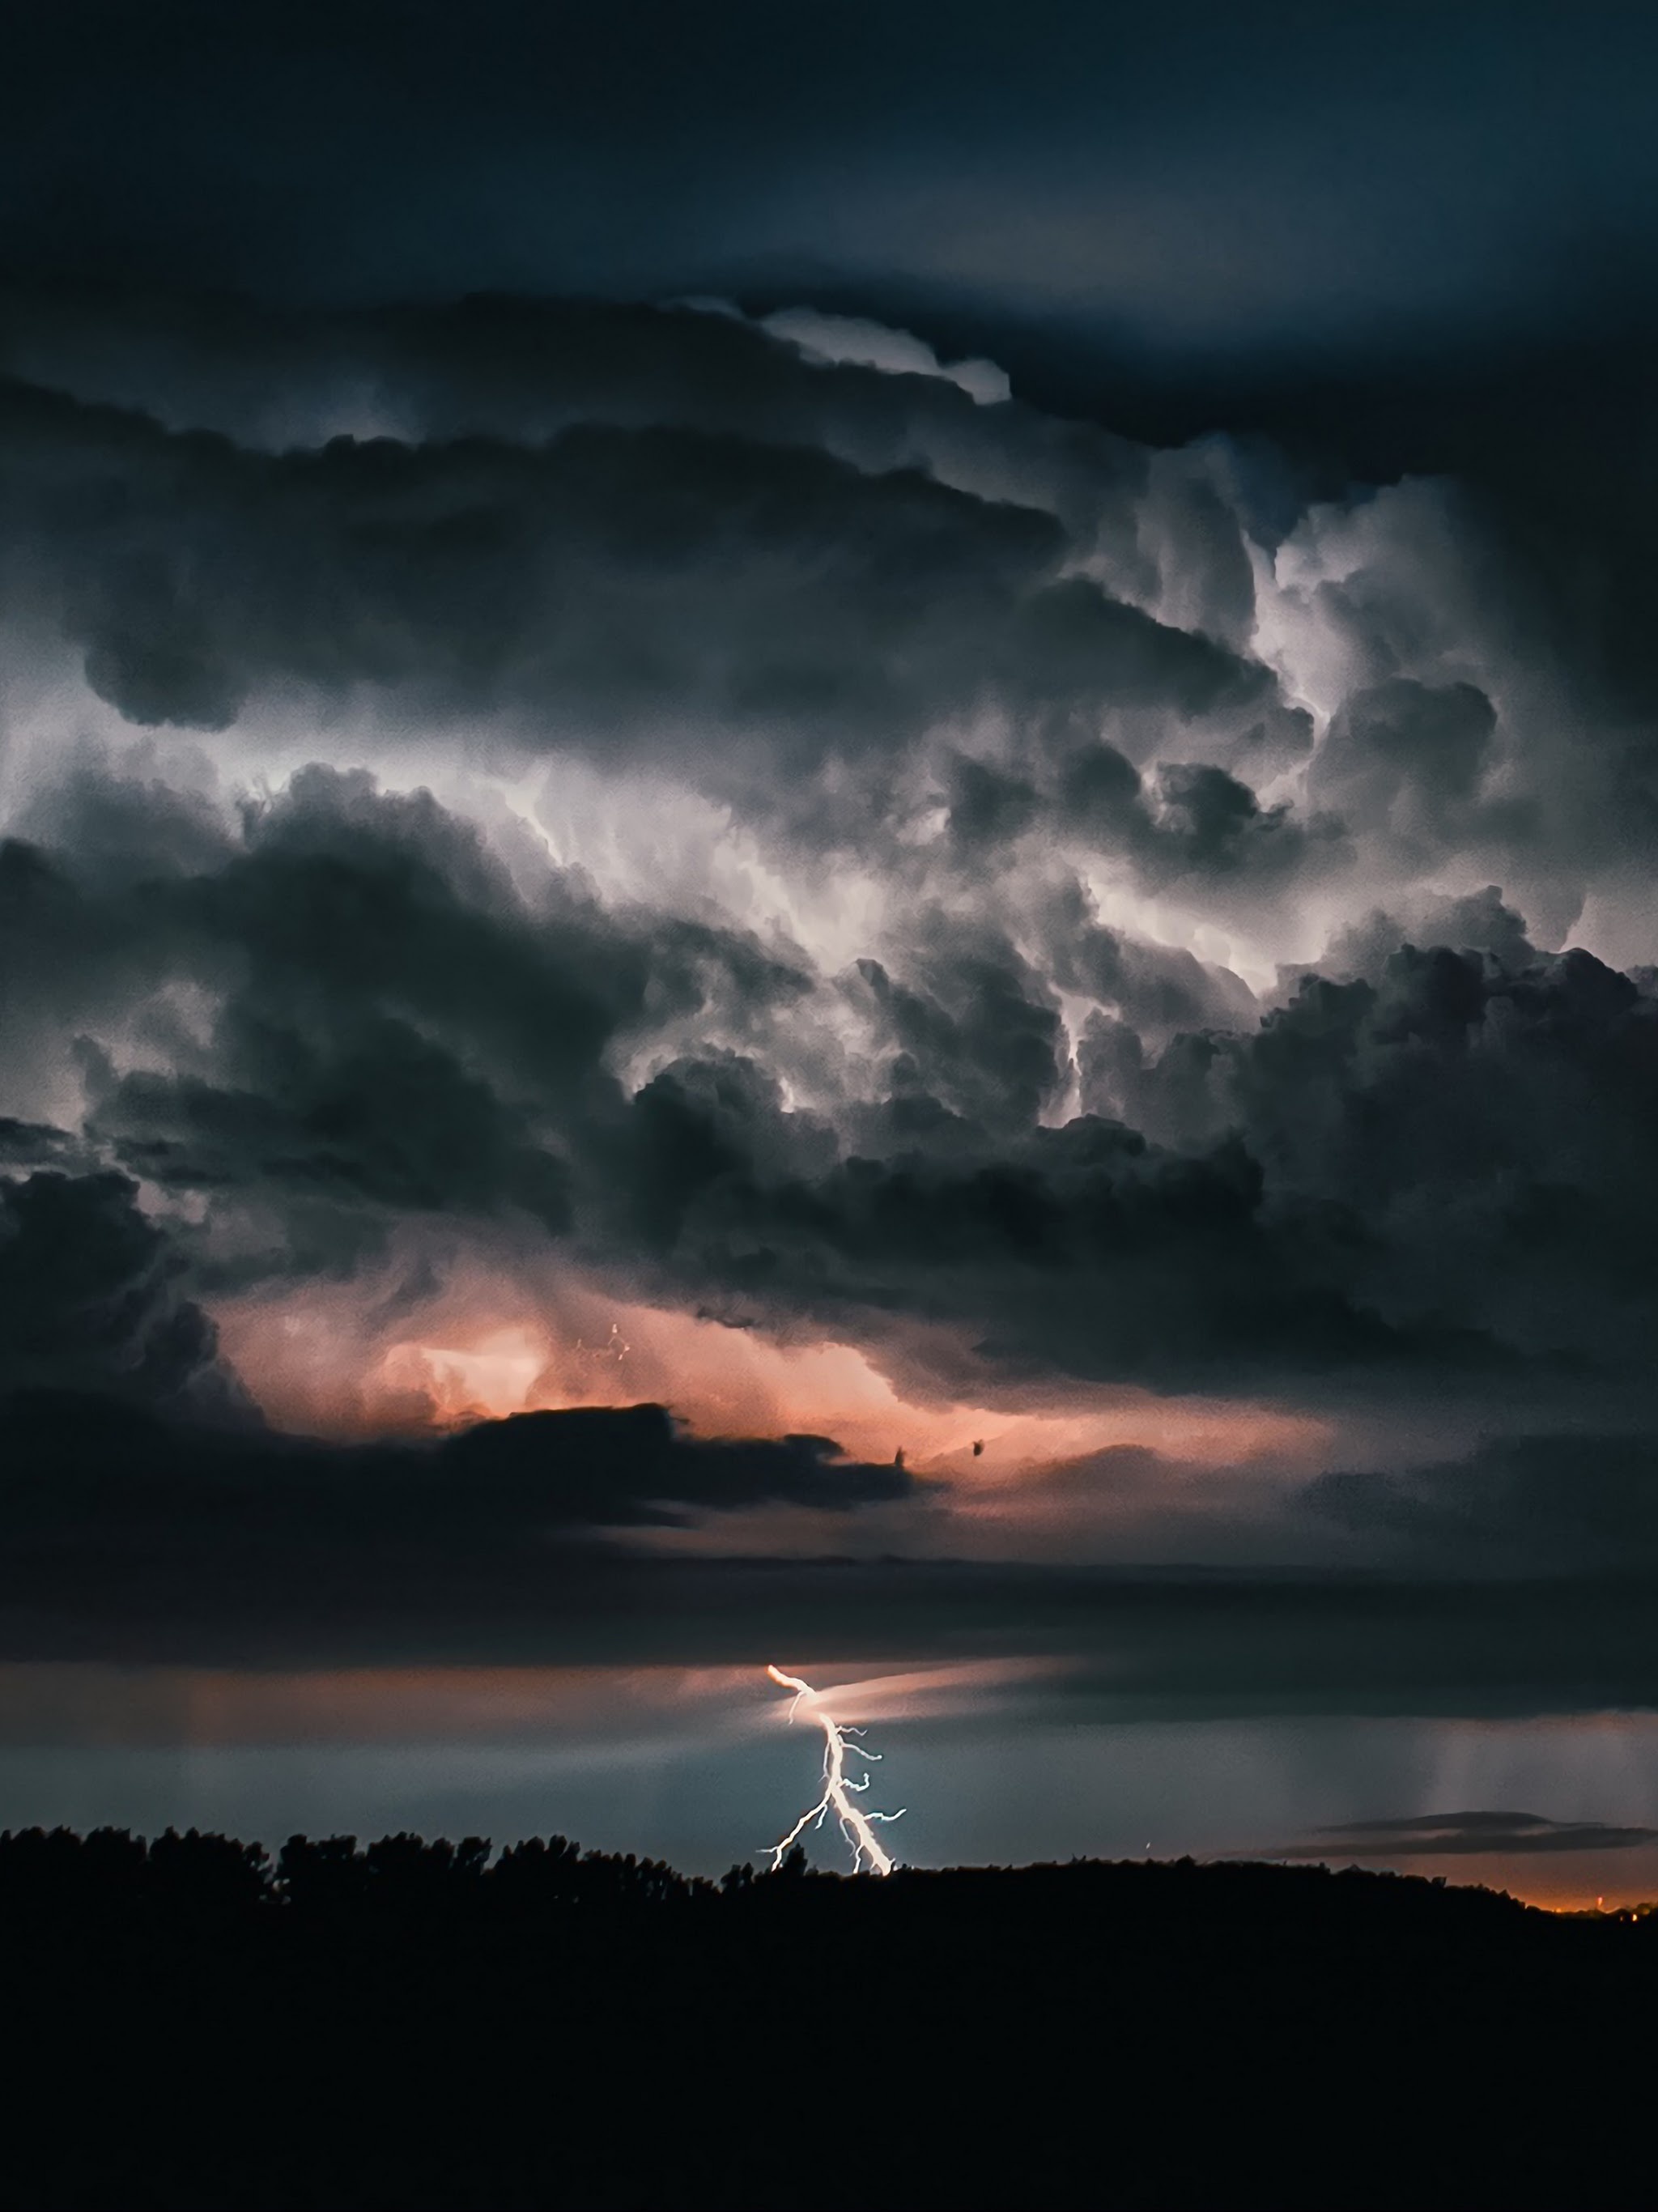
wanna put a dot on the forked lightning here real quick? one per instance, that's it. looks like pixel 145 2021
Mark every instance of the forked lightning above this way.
pixel 856 1825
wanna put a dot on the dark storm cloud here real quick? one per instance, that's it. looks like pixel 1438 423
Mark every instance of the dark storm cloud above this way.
pixel 633 593
pixel 975 1031
pixel 667 540
pixel 134 1541
pixel 391 1030
pixel 1472 1144
pixel 143 1533
pixel 1080 1249
pixel 1478 921
pixel 866 616
pixel 1188 825
pixel 1403 744
pixel 92 1297
pixel 521 371
pixel 133 1532
pixel 1158 990
pixel 1211 824
pixel 36 1145
pixel 1451 1169
pixel 502 1481
pixel 1448 1169
pixel 1575 1504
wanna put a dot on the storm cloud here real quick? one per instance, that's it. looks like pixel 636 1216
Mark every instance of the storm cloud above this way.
pixel 362 1020
pixel 92 1298
pixel 1570 1503
pixel 756 821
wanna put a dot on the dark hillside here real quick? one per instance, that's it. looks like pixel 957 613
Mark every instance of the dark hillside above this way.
pixel 412 2025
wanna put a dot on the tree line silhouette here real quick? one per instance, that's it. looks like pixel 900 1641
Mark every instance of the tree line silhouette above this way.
pixel 430 2024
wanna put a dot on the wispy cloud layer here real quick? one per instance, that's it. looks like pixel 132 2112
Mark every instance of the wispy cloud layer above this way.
pixel 1453 1835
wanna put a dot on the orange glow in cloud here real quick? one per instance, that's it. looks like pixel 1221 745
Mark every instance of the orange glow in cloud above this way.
pixel 321 1361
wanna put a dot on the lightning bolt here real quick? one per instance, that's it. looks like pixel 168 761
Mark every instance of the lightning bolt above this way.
pixel 839 1791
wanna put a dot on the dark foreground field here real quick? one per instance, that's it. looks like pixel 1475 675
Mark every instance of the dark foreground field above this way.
pixel 411 2026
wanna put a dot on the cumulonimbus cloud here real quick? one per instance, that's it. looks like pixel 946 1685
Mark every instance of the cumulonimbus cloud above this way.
pixel 794 842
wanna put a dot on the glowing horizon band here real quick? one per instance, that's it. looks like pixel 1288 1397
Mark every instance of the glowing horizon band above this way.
pixel 856 1825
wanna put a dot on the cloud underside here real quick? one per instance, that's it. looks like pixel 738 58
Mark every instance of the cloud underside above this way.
pixel 355 1562
pixel 136 1539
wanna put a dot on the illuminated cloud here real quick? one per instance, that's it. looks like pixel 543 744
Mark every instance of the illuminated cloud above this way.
pixel 873 345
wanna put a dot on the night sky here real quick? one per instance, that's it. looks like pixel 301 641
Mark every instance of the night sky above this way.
pixel 827 836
